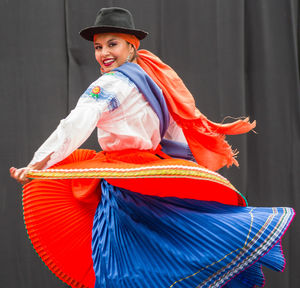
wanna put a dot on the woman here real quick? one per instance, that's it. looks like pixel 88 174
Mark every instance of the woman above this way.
pixel 155 218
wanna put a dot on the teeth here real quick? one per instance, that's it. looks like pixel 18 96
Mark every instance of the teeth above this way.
pixel 108 61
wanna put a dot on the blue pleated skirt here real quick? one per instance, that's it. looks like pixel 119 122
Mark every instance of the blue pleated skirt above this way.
pixel 155 242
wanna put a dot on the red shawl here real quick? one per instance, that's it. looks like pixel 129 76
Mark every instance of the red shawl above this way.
pixel 206 139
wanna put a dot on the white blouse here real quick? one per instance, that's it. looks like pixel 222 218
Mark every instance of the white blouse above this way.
pixel 124 120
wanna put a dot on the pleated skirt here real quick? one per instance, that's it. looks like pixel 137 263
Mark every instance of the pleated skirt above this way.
pixel 99 233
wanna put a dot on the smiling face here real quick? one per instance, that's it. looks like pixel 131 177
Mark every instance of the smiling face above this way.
pixel 111 51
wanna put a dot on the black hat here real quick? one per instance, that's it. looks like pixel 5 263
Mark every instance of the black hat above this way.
pixel 113 19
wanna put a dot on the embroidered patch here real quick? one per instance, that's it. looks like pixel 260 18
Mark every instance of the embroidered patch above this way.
pixel 114 103
pixel 98 93
pixel 95 92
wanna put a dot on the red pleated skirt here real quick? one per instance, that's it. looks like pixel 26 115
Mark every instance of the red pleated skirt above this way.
pixel 60 203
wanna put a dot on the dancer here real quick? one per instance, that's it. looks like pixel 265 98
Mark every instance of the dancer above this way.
pixel 149 210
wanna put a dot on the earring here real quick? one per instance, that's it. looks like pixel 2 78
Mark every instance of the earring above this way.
pixel 128 59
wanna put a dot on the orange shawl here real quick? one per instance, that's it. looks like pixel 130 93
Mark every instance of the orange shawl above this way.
pixel 206 139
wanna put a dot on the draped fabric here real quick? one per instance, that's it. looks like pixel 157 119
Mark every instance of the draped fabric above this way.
pixel 141 241
pixel 236 58
pixel 206 138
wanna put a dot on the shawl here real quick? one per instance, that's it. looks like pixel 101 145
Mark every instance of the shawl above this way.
pixel 206 139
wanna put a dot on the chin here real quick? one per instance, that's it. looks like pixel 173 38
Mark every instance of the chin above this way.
pixel 108 69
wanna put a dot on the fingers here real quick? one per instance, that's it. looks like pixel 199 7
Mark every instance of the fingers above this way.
pixel 20 174
pixel 12 170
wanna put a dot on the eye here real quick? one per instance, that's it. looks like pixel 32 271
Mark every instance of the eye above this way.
pixel 98 47
pixel 112 44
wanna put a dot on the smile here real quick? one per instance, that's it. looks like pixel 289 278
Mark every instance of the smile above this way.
pixel 108 62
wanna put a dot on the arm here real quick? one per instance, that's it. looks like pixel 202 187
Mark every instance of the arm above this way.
pixel 68 136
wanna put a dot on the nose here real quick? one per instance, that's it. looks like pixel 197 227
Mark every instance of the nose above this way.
pixel 105 51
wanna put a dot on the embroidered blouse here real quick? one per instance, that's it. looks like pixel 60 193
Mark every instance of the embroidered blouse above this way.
pixel 124 120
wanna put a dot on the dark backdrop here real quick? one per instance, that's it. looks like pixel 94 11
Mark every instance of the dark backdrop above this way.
pixel 238 57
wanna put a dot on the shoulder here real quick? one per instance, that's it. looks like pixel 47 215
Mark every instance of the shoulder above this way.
pixel 109 92
pixel 109 85
pixel 112 81
pixel 114 77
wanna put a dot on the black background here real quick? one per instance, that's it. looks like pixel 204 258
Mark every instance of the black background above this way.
pixel 238 57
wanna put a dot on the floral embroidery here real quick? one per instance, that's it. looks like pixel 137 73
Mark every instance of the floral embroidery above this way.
pixel 95 92
pixel 100 94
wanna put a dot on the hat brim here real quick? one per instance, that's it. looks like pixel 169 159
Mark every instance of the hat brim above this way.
pixel 89 32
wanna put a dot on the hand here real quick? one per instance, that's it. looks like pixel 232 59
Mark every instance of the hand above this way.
pixel 20 174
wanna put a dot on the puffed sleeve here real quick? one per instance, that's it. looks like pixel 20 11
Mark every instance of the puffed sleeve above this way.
pixel 78 125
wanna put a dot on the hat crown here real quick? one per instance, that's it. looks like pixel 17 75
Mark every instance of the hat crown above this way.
pixel 114 16
pixel 113 19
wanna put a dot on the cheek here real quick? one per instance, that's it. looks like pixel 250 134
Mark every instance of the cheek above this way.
pixel 97 56
pixel 122 55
